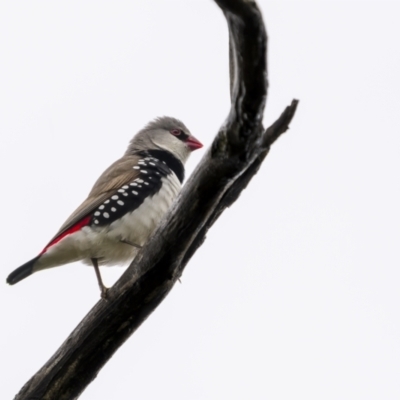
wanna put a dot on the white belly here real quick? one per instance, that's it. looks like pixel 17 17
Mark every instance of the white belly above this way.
pixel 104 243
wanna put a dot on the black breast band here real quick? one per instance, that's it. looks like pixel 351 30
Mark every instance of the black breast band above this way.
pixel 170 160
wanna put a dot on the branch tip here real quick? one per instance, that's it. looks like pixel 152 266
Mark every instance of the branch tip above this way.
pixel 281 125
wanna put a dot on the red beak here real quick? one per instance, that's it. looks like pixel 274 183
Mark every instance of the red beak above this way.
pixel 193 143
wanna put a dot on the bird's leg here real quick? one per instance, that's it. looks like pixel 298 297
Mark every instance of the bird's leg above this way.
pixel 130 243
pixel 103 289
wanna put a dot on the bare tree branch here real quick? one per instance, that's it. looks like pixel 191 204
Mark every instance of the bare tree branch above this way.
pixel 233 159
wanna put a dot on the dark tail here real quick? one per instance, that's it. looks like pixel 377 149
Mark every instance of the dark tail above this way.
pixel 22 272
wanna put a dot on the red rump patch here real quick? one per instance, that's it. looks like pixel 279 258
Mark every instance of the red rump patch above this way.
pixel 78 226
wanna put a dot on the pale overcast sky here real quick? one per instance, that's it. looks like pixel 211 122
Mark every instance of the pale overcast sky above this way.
pixel 295 293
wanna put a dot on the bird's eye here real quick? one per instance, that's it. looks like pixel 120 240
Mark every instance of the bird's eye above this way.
pixel 176 132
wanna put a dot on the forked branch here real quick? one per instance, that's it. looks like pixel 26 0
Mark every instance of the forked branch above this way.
pixel 225 170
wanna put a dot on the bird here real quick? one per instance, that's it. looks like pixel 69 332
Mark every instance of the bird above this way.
pixel 125 204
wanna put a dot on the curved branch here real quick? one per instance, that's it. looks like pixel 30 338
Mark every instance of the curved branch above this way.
pixel 233 159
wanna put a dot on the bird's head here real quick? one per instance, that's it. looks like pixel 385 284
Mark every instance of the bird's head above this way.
pixel 165 133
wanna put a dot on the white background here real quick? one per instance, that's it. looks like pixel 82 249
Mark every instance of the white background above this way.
pixel 295 293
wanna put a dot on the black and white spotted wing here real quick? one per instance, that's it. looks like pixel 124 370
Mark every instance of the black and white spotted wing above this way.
pixel 130 196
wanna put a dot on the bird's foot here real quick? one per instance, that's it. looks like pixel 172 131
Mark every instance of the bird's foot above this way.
pixel 104 293
pixel 103 289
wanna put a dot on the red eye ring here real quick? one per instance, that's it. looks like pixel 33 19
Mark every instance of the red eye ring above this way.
pixel 175 132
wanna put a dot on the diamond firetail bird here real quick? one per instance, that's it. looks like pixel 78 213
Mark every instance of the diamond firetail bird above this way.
pixel 125 204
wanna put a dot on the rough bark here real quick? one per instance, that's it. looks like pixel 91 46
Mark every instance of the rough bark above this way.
pixel 225 170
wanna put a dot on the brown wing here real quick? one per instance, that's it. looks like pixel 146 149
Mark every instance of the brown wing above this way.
pixel 120 173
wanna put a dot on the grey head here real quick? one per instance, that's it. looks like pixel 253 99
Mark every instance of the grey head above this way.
pixel 168 134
